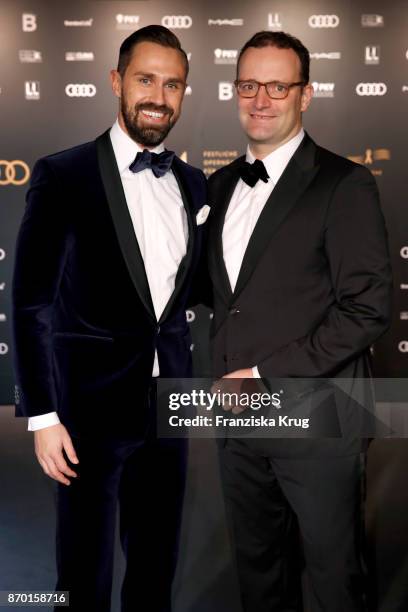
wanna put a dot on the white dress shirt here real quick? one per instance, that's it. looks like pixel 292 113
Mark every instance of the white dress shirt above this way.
pixel 160 224
pixel 246 206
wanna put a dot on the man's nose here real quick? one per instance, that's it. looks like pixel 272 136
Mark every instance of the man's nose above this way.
pixel 262 99
pixel 158 94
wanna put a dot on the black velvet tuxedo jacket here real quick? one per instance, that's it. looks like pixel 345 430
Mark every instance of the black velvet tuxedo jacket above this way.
pixel 314 289
pixel 84 324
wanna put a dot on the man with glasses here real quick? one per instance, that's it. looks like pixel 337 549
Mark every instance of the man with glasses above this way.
pixel 299 262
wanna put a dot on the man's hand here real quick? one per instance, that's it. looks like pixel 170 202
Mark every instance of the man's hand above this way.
pixel 49 444
pixel 244 373
pixel 232 386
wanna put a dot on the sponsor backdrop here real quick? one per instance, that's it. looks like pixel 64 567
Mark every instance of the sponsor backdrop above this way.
pixel 55 93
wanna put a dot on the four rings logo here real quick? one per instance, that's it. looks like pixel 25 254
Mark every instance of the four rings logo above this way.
pixel 80 90
pixel 404 252
pixel 324 21
pixel 177 21
pixel 371 89
pixel 403 346
pixel 14 172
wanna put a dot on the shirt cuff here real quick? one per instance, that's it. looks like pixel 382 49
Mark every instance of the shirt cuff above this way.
pixel 255 372
pixel 43 420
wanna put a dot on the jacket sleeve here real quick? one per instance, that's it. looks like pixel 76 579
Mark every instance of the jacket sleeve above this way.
pixel 357 252
pixel 41 251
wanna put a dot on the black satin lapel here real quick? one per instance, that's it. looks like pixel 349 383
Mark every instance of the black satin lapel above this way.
pixel 122 220
pixel 186 261
pixel 297 176
pixel 220 202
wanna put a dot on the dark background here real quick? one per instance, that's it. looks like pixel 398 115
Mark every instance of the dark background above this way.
pixel 372 129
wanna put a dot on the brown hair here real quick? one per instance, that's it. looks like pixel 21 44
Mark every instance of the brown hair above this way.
pixel 281 40
pixel 152 33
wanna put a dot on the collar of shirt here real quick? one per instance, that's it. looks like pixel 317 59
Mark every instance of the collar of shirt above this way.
pixel 125 148
pixel 276 162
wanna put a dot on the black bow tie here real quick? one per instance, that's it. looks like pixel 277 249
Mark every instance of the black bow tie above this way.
pixel 251 173
pixel 159 163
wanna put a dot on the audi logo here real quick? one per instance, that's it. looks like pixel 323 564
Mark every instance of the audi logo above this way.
pixel 2 254
pixel 3 348
pixel 324 21
pixel 371 89
pixel 15 172
pixel 403 346
pixel 404 252
pixel 80 90
pixel 177 21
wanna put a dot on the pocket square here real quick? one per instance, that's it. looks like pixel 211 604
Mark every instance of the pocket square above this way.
pixel 203 214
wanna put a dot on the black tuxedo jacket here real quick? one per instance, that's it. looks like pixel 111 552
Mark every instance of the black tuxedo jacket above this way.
pixel 84 324
pixel 314 289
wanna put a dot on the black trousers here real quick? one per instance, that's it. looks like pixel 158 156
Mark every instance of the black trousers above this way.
pixel 261 492
pixel 145 478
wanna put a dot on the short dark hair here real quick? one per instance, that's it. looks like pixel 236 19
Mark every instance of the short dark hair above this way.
pixel 281 40
pixel 152 33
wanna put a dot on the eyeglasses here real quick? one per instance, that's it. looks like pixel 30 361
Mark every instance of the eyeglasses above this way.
pixel 275 89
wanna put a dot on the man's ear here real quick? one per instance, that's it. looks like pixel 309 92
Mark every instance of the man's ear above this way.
pixel 307 95
pixel 116 81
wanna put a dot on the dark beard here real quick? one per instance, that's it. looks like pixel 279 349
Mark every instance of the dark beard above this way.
pixel 146 136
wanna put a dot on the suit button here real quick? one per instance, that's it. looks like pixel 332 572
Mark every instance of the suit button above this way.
pixel 234 310
pixel 158 329
pixel 224 357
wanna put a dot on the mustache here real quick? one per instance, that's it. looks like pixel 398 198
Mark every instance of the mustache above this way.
pixel 153 107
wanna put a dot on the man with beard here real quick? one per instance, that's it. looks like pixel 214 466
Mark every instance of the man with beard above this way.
pixel 106 253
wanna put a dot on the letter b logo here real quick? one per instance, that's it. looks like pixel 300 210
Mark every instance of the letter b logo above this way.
pixel 29 22
pixel 225 91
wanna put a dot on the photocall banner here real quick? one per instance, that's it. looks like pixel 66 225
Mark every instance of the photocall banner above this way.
pixel 55 93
